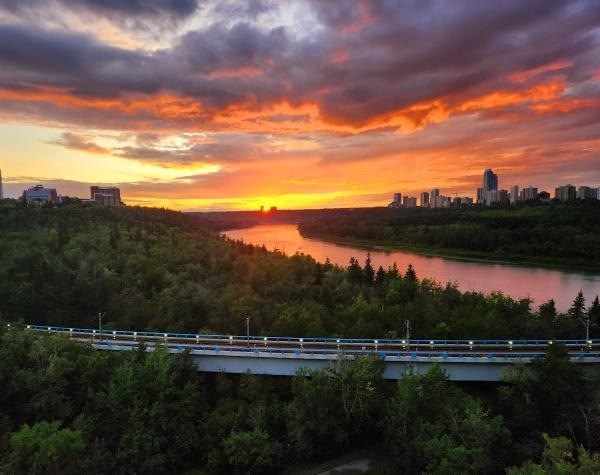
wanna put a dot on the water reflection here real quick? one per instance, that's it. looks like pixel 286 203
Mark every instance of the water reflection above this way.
pixel 538 283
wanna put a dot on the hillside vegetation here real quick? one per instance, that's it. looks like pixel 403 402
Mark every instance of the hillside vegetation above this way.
pixel 68 409
pixel 162 270
pixel 555 234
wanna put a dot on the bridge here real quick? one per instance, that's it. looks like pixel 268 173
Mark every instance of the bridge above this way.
pixel 463 360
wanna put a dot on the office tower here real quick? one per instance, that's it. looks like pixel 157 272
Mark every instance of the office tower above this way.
pixel 435 192
pixel 586 193
pixel 480 195
pixel 514 194
pixel 1 189
pixel 490 180
pixel 410 202
pixel 108 196
pixel 424 200
pixel 397 202
pixel 565 193
pixel 502 196
pixel 530 193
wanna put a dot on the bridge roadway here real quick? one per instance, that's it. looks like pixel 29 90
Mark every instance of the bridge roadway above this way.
pixel 463 360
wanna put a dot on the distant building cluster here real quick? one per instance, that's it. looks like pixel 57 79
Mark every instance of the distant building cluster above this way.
pixel 490 194
pixel 38 194
pixel 431 199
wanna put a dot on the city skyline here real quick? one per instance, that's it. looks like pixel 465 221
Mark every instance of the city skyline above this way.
pixel 234 105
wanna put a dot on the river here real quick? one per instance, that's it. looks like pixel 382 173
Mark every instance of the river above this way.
pixel 538 283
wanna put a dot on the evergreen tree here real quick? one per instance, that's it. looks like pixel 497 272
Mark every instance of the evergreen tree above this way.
pixel 547 312
pixel 393 272
pixel 368 271
pixel 355 273
pixel 410 274
pixel 577 309
pixel 380 277
pixel 594 313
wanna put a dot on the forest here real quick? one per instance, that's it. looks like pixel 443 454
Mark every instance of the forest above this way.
pixel 544 233
pixel 65 408
pixel 68 409
pixel 151 269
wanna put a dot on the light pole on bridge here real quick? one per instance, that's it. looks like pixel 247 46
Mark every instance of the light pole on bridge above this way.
pixel 100 317
pixel 248 330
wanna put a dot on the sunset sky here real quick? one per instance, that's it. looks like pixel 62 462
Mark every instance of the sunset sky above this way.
pixel 221 104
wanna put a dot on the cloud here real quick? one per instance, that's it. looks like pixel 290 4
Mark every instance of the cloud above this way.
pixel 112 7
pixel 333 84
pixel 78 142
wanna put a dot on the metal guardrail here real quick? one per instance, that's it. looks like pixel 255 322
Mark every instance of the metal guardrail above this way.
pixel 438 355
pixel 332 341
pixel 129 339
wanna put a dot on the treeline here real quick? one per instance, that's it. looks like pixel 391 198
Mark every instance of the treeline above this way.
pixel 152 269
pixel 68 409
pixel 547 233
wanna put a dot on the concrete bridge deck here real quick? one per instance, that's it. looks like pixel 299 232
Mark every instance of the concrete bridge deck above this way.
pixel 463 360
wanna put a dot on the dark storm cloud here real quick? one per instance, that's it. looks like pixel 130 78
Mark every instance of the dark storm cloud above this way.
pixel 74 62
pixel 142 7
pixel 111 7
pixel 369 60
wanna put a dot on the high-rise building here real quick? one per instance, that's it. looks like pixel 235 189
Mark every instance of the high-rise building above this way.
pixel 410 202
pixel 530 193
pixel 479 195
pixel 514 194
pixel 586 193
pixel 1 189
pixel 40 194
pixel 565 193
pixel 435 192
pixel 543 196
pixel 108 196
pixel 397 197
pixel 425 200
pixel 502 196
pixel 439 201
pixel 490 180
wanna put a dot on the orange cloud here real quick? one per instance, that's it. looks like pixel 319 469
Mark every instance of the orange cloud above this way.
pixel 523 76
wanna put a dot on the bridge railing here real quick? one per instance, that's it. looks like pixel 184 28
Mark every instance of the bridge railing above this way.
pixel 434 355
pixel 166 336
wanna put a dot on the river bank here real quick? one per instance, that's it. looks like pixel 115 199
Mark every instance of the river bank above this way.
pixel 456 254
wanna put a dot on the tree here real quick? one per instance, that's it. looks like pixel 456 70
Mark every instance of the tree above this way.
pixel 559 458
pixel 253 452
pixel 547 312
pixel 46 448
pixel 577 310
pixel 355 273
pixel 380 278
pixel 368 271
pixel 410 274
pixel 330 408
pixel 433 427
pixel 594 314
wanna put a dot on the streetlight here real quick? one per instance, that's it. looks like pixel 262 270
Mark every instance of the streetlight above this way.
pixel 248 329
pixel 100 317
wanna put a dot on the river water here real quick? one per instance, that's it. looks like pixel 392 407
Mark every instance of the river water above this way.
pixel 538 283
